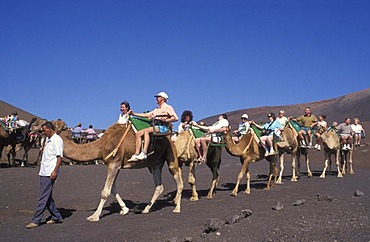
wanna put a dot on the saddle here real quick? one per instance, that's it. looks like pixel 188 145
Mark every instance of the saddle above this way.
pixel 217 138
pixel 138 124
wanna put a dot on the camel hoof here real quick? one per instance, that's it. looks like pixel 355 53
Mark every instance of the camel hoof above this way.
pixel 322 176
pixel 176 210
pixel 146 210
pixel 234 194
pixel 193 199
pixel 247 192
pixel 352 172
pixel 293 179
pixel 267 188
pixel 124 211
pixel 309 174
pixel 209 196
pixel 340 175
pixel 93 218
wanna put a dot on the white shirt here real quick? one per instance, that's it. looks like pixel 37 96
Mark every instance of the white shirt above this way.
pixel 283 120
pixel 357 128
pixel 123 118
pixel 219 124
pixel 53 148
pixel 180 128
pixel 323 123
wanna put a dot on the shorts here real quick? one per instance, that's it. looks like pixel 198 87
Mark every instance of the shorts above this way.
pixel 345 135
pixel 163 129
pixel 306 129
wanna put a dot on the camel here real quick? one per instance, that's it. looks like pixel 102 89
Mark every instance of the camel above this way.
pixel 13 144
pixel 332 146
pixel 289 144
pixel 249 151
pixel 115 147
pixel 187 155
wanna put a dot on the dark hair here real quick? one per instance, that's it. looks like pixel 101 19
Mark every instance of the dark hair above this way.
pixel 48 125
pixel 33 120
pixel 271 115
pixel 224 115
pixel 186 113
pixel 126 104
pixel 90 126
pixel 15 113
pixel 323 115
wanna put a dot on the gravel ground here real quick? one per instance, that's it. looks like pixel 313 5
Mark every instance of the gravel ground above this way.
pixel 326 210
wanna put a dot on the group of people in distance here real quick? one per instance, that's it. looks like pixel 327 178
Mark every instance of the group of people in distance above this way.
pixel 89 134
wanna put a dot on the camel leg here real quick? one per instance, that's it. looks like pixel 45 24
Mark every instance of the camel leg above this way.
pixel 156 170
pixel 194 194
pixel 112 172
pixel 180 186
pixel 343 162
pixel 350 163
pixel 294 175
pixel 158 191
pixel 325 166
pixel 338 164
pixel 248 177
pixel 240 176
pixel 309 173
pixel 124 209
pixel 213 187
pixel 273 172
pixel 279 180
pixel 176 171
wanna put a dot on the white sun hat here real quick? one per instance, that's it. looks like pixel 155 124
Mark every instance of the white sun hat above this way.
pixel 162 94
pixel 245 116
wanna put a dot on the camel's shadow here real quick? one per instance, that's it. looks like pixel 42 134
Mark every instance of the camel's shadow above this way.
pixel 259 183
pixel 136 207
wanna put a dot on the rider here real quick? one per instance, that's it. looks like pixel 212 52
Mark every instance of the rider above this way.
pixel 163 116
pixel 346 132
pixel 11 121
pixel 308 121
pixel 267 138
pixel 201 144
pixel 243 128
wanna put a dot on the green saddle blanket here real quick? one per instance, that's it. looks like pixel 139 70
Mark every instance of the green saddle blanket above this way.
pixel 295 125
pixel 256 130
pixel 140 123
pixel 199 134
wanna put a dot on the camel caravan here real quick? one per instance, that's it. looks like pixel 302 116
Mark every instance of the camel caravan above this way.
pixel 146 140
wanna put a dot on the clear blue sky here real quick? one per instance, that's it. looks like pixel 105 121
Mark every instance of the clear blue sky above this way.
pixel 77 60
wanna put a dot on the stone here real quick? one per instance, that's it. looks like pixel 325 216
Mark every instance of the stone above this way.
pixel 278 206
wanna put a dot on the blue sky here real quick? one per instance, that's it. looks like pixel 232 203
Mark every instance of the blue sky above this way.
pixel 77 60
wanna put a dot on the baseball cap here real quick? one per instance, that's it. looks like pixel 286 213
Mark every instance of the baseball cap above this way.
pixel 162 94
pixel 245 116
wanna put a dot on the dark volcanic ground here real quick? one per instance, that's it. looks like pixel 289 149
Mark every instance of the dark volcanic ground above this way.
pixel 77 194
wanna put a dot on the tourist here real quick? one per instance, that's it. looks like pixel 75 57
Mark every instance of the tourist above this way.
pixel 49 170
pixel 163 116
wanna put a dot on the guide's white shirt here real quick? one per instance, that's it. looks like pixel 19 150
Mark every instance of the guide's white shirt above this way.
pixel 53 148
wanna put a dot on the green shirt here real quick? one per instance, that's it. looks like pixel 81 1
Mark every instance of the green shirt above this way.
pixel 307 121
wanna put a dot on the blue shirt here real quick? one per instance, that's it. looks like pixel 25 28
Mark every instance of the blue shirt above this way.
pixel 271 127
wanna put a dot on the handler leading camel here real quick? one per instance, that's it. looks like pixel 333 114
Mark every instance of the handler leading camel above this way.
pixel 163 116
